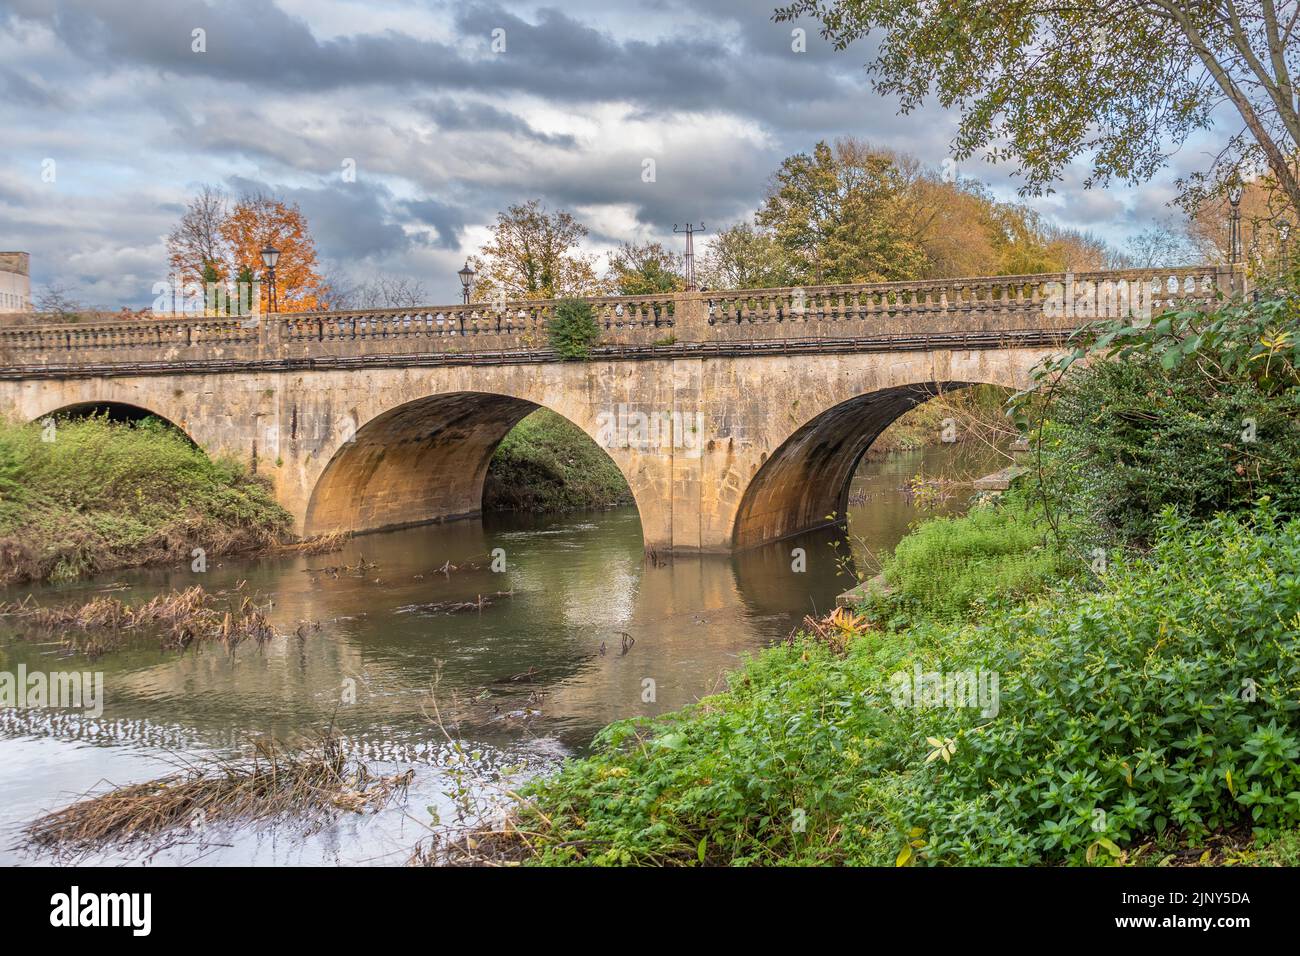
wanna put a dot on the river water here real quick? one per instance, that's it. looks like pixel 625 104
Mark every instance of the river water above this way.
pixel 579 631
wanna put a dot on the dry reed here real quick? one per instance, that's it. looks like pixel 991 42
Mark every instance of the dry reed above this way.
pixel 314 784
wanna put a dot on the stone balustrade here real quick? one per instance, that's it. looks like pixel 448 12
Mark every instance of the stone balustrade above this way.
pixel 1052 302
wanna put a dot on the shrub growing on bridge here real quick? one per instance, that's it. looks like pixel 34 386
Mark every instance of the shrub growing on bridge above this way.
pixel 572 330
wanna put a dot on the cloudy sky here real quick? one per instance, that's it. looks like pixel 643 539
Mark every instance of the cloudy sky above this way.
pixel 443 130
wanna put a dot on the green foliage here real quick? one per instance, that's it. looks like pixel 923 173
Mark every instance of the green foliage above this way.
pixel 1280 849
pixel 1163 702
pixel 837 213
pixel 645 269
pixel 1199 411
pixel 1042 84
pixel 742 256
pixel 1167 700
pixel 104 494
pixel 572 330
pixel 546 463
pixel 978 411
pixel 950 565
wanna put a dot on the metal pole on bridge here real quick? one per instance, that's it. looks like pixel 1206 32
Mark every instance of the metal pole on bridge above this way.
pixel 690 232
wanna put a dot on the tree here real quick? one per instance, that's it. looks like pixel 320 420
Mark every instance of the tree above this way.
pixel 744 256
pixel 212 297
pixel 258 220
pixel 534 254
pixel 55 300
pixel 836 213
pixel 1040 82
pixel 244 280
pixel 1160 247
pixel 859 213
pixel 1263 220
pixel 1028 245
pixel 645 269
pixel 197 242
pixel 383 291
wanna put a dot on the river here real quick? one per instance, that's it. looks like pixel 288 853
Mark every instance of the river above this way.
pixel 580 631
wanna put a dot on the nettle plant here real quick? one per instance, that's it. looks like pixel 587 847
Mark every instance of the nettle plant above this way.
pixel 1165 703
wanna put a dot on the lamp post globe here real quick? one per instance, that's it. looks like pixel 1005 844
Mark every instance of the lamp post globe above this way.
pixel 270 257
pixel 466 280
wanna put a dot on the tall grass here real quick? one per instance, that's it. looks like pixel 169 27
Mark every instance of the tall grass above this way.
pixel 106 494
pixel 948 565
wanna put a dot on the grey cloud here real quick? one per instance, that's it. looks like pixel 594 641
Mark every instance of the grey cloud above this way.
pixel 348 220
pixel 448 221
pixel 253 42
pixel 481 117
pixel 444 134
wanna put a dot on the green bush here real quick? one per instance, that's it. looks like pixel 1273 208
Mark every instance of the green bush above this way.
pixel 547 463
pixel 104 494
pixel 572 330
pixel 1132 437
pixel 1199 411
pixel 1165 702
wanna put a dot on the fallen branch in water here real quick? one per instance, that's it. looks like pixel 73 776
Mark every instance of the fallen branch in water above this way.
pixel 456 607
pixel 315 784
pixel 361 567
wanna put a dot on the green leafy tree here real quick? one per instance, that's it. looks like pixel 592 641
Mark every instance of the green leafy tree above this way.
pixel 211 296
pixel 745 256
pixel 837 214
pixel 1041 83
pixel 244 298
pixel 534 254
pixel 645 269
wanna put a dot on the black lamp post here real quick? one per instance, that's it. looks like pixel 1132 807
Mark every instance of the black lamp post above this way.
pixel 270 256
pixel 466 280
pixel 1235 189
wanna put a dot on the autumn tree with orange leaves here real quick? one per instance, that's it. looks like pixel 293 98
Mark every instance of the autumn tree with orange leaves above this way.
pixel 217 241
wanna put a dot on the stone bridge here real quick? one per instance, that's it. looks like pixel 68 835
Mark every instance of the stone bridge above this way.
pixel 737 417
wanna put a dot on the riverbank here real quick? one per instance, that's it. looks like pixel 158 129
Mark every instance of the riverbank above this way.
pixel 88 495
pixel 973 414
pixel 991 734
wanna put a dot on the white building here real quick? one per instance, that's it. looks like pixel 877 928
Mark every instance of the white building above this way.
pixel 15 282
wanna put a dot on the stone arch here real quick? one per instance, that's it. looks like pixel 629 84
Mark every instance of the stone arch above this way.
pixel 807 478
pixel 422 461
pixel 116 411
